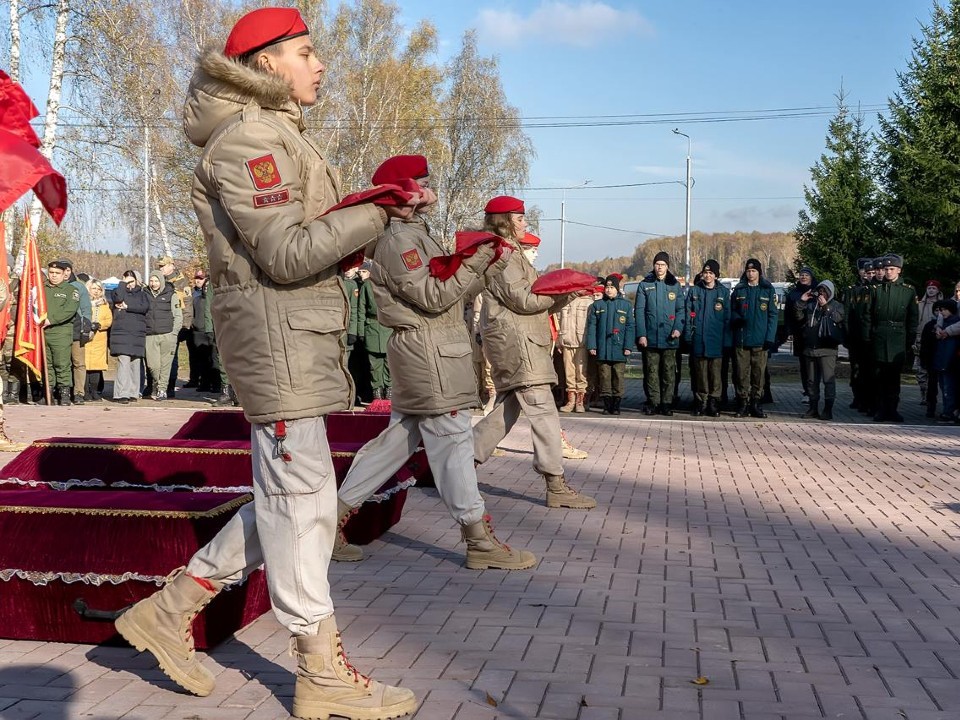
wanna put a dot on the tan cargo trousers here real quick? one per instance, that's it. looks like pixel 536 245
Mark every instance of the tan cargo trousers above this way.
pixel 537 404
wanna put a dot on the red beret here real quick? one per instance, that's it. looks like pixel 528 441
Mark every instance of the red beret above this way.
pixel 530 239
pixel 935 283
pixel 400 167
pixel 260 28
pixel 562 282
pixel 504 204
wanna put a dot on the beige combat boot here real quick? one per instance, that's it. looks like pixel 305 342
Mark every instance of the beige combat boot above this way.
pixel 569 451
pixel 485 551
pixel 327 684
pixel 162 624
pixel 559 494
pixel 571 402
pixel 579 405
pixel 343 551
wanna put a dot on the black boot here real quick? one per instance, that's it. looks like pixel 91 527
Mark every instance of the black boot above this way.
pixel 377 394
pixel 697 408
pixel 226 397
pixel 741 408
pixel 827 413
pixel 616 405
pixel 65 396
pixel 12 396
pixel 756 411
pixel 666 409
pixel 649 408
pixel 607 405
pixel 812 410
pixel 712 409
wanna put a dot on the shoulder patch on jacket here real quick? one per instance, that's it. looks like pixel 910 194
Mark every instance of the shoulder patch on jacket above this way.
pixel 412 259
pixel 264 173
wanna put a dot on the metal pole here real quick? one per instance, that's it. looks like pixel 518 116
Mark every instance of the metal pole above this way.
pixel 563 223
pixel 146 202
pixel 676 131
pixel 689 172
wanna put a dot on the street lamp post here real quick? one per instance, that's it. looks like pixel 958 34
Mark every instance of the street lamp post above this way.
pixel 563 216
pixel 688 186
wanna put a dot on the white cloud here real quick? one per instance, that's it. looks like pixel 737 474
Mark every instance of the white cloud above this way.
pixel 585 24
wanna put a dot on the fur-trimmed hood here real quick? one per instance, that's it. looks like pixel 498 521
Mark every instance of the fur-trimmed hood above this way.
pixel 669 278
pixel 221 87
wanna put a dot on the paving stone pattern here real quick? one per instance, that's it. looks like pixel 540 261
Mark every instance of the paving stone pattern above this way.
pixel 799 569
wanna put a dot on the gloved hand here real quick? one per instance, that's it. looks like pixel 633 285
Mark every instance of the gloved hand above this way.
pixel 94 327
pixel 351 339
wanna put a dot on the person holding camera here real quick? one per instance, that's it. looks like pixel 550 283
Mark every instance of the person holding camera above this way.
pixel 820 318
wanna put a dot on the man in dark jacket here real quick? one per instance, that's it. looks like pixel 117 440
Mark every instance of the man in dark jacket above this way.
pixel 610 335
pixel 890 327
pixel 805 283
pixel 753 321
pixel 707 332
pixel 854 305
pixel 63 303
pixel 821 320
pixel 128 336
pixel 375 337
pixel 658 314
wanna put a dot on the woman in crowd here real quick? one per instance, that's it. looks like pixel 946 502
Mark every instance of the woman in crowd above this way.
pixel 128 336
pixel 96 349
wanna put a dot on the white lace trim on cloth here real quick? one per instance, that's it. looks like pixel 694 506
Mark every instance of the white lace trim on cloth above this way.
pixel 66 485
pixel 43 578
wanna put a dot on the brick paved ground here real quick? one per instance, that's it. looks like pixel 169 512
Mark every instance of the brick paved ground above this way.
pixel 805 569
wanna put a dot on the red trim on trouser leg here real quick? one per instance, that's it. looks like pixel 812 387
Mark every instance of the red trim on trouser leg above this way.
pixel 204 583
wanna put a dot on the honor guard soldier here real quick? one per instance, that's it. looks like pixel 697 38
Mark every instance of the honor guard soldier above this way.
pixel 890 326
pixel 63 304
pixel 261 191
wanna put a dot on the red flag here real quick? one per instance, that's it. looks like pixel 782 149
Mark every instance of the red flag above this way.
pixel 32 310
pixel 17 110
pixel 23 167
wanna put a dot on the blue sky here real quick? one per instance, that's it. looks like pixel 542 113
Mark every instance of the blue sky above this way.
pixel 576 58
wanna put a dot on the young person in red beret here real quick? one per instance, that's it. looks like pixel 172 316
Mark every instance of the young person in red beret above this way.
pixel 260 192
pixel 433 383
pixel 516 338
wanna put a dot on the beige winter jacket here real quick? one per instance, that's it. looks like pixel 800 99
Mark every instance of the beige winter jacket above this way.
pixel 429 350
pixel 278 306
pixel 572 322
pixel 515 326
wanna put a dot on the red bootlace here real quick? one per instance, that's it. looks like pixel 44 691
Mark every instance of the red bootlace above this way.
pixel 488 522
pixel 350 668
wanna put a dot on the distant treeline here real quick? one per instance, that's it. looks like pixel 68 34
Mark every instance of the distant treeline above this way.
pixel 776 251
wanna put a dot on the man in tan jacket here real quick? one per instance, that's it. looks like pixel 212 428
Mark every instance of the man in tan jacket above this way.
pixel 433 383
pixel 260 190
pixel 516 336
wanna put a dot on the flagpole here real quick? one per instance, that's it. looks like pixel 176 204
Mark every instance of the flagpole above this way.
pixel 44 371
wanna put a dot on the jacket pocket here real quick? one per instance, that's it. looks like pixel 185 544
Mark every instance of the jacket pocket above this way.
pixel 312 342
pixel 455 369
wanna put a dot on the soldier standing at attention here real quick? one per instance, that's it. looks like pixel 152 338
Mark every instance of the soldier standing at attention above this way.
pixel 63 303
pixel 753 322
pixel 260 191
pixel 375 336
pixel 352 286
pixel 658 314
pixel 890 326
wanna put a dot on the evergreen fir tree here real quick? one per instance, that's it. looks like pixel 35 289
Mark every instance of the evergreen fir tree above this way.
pixel 919 154
pixel 838 225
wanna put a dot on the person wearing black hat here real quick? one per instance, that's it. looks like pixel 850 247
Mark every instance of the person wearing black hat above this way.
pixel 707 331
pixel 890 327
pixel 658 314
pixel 806 281
pixel 609 338
pixel 63 304
pixel 753 322
pixel 855 300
